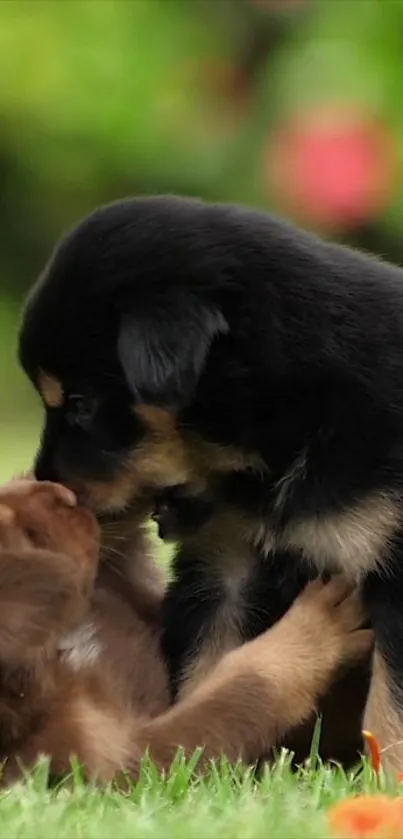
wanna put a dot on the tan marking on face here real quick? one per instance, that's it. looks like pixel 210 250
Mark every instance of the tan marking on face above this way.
pixel 172 454
pixel 188 451
pixel 148 466
pixel 160 459
pixel 51 390
pixel 160 421
pixel 206 458
pixel 167 455
pixel 383 718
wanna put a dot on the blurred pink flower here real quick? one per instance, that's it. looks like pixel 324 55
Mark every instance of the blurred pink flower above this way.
pixel 335 166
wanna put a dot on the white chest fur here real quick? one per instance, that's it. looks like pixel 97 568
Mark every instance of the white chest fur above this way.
pixel 81 647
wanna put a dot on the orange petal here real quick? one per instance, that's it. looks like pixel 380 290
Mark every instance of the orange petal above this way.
pixel 367 817
pixel 374 750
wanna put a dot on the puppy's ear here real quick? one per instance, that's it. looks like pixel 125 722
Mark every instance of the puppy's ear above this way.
pixel 163 351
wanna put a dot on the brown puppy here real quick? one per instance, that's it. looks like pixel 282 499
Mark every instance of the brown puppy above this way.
pixel 81 671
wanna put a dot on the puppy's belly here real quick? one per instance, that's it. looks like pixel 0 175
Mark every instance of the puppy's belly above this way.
pixel 354 541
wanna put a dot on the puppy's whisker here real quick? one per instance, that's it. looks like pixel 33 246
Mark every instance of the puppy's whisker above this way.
pixel 109 549
pixel 391 746
pixel 112 527
pixel 113 567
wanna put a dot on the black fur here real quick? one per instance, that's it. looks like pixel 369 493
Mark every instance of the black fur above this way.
pixel 156 369
pixel 197 595
pixel 262 337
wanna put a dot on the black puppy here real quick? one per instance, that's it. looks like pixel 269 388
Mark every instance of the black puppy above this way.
pixel 213 348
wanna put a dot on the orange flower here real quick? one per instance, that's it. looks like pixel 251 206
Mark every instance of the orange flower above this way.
pixel 374 750
pixel 368 817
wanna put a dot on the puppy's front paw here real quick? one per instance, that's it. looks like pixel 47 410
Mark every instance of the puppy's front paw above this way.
pixel 42 515
pixel 48 560
pixel 328 619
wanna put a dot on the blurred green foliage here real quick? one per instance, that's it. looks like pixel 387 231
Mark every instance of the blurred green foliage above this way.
pixel 100 99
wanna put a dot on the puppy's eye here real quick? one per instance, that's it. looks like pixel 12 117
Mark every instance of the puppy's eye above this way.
pixel 80 410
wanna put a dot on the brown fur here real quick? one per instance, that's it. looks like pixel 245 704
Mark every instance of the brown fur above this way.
pixel 180 453
pixel 81 669
pixel 262 689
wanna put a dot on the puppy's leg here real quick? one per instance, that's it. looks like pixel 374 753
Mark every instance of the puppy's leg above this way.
pixel 261 690
pixel 41 596
pixel 43 592
pixel 52 725
pixel 254 695
pixel 384 711
pixel 48 562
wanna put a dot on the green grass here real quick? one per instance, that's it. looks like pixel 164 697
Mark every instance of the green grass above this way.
pixel 227 803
